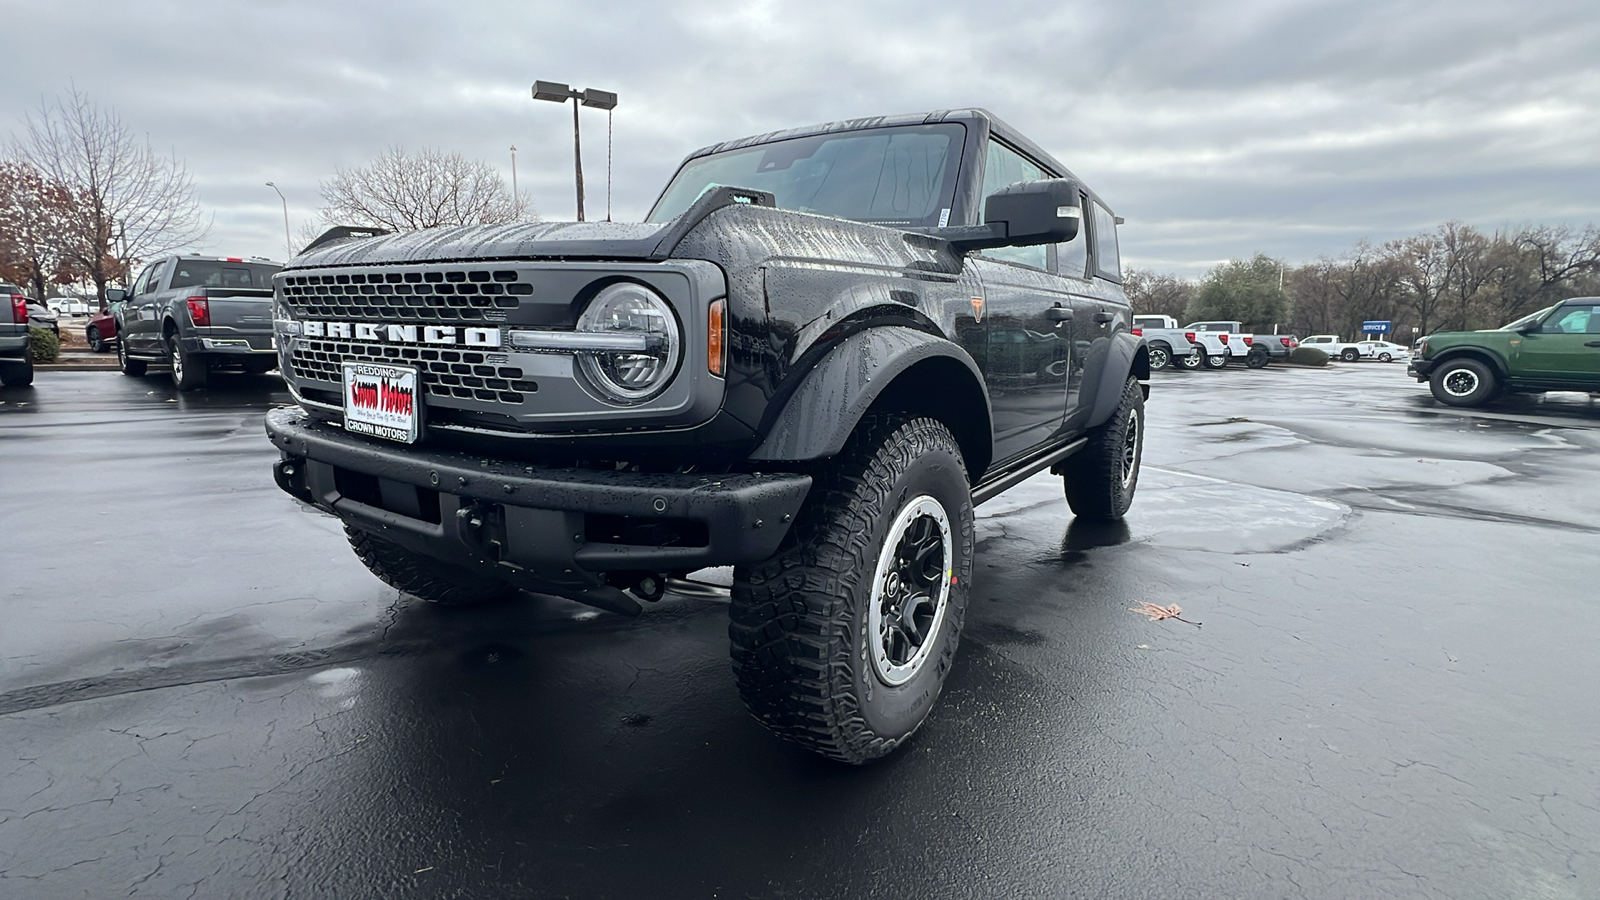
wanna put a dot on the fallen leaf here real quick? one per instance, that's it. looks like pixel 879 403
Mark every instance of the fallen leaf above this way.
pixel 1157 612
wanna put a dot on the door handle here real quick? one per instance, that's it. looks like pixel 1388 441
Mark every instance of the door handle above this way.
pixel 1059 314
pixel 1102 317
pixel 1593 344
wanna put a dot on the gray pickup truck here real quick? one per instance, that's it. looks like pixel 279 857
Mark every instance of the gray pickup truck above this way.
pixel 16 355
pixel 195 313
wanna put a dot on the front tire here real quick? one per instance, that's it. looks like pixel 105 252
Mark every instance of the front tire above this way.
pixel 423 576
pixel 188 371
pixel 128 365
pixel 1101 478
pixel 841 641
pixel 1463 382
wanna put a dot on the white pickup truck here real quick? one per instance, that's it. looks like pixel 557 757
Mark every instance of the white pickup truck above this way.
pixel 1349 351
pixel 1169 345
pixel 1234 341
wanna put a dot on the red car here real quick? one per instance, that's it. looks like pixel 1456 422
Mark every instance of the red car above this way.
pixel 101 331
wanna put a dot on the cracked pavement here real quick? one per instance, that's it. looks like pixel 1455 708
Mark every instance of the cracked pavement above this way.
pixel 203 693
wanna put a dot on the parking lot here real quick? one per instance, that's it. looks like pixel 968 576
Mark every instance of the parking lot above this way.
pixel 1388 691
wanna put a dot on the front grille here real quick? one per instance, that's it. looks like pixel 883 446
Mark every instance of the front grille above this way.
pixel 473 295
pixel 462 374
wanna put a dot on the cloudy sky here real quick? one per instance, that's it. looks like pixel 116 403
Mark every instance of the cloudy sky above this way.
pixel 1218 129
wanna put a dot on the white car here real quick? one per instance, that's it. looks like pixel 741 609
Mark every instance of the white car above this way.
pixel 1383 351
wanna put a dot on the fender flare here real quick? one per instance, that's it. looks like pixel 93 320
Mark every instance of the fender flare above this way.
pixel 1501 369
pixel 823 411
pixel 1120 356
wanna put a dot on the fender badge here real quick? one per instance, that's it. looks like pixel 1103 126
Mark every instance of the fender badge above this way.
pixel 977 309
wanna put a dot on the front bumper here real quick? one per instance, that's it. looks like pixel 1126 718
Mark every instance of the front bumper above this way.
pixel 548 529
pixel 1419 368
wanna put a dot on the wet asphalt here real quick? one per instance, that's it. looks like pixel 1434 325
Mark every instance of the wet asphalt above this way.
pixel 1392 694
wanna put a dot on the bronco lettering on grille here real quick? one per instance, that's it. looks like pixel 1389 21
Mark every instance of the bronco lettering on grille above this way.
pixel 404 334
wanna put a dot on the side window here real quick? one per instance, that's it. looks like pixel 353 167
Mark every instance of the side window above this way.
pixel 147 280
pixel 1072 258
pixel 1107 262
pixel 1003 166
pixel 1574 320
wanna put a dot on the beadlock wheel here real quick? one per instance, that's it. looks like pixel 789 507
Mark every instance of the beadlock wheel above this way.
pixel 910 590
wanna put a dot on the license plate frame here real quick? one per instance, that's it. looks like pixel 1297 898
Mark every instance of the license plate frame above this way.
pixel 383 401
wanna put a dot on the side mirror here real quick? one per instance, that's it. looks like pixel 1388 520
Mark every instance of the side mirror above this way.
pixel 116 295
pixel 1023 214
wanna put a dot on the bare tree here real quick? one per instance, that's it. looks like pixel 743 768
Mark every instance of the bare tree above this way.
pixel 34 213
pixel 132 203
pixel 1156 293
pixel 402 192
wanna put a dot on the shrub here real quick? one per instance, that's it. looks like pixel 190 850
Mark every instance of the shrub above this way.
pixel 46 346
pixel 1308 356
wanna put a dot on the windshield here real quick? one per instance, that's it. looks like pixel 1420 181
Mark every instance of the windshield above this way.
pixel 1526 320
pixel 216 273
pixel 888 176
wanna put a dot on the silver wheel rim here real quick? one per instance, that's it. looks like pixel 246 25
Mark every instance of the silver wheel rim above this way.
pixel 1159 359
pixel 177 361
pixel 1384 357
pixel 1194 360
pixel 1460 382
pixel 1130 448
pixel 910 590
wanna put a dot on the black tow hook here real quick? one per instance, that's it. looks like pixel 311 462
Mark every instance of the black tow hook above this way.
pixel 290 474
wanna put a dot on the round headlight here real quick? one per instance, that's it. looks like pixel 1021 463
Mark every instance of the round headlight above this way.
pixel 639 372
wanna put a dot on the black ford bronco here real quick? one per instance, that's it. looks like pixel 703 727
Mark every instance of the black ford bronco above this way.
pixel 822 349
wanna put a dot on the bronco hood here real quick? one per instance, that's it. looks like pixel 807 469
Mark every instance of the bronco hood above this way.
pixel 541 240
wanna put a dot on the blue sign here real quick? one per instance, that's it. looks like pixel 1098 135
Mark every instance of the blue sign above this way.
pixel 1375 327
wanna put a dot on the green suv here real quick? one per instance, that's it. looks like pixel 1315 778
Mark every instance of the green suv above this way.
pixel 1555 349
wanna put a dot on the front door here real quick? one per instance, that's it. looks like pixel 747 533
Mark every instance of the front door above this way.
pixel 1027 351
pixel 1565 348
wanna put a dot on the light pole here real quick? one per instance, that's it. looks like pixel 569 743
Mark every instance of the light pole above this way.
pixel 514 171
pixel 556 92
pixel 288 249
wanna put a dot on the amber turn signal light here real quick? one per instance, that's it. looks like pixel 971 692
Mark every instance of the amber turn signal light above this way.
pixel 716 332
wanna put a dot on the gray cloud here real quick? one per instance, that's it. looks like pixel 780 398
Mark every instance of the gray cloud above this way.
pixel 1217 129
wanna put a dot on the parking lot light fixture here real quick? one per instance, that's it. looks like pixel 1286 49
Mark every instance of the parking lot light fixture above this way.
pixel 556 92
pixel 288 249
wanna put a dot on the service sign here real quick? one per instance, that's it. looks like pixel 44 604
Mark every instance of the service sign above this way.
pixel 382 401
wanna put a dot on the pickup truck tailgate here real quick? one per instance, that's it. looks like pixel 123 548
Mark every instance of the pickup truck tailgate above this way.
pixel 238 313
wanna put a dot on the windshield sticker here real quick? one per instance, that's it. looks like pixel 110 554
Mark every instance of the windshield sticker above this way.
pixel 944 217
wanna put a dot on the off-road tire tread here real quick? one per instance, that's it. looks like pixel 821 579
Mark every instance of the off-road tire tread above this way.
pixel 790 619
pixel 422 576
pixel 1093 478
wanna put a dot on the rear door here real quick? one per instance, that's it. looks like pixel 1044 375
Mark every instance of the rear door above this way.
pixel 1565 348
